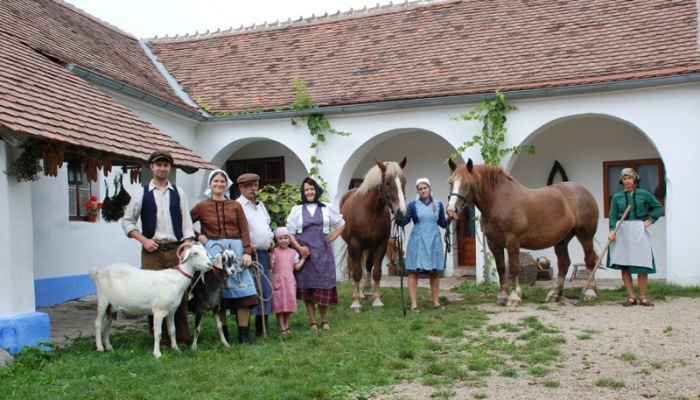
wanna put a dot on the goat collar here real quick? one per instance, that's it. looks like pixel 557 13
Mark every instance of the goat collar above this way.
pixel 188 276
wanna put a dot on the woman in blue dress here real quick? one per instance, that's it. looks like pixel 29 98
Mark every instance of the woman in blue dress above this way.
pixel 424 253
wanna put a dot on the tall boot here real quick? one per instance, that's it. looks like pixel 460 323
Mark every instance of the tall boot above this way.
pixel 244 335
pixel 226 334
pixel 259 325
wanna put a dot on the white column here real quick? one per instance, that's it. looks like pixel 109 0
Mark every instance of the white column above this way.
pixel 20 324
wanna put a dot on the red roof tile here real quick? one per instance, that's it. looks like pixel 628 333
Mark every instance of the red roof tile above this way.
pixel 441 49
pixel 43 100
pixel 74 37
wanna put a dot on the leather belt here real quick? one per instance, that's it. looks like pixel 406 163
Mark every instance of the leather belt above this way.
pixel 169 245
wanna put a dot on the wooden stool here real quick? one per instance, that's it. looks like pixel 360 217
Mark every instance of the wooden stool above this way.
pixel 575 271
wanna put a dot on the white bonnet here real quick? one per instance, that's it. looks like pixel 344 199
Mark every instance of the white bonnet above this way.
pixel 281 231
pixel 423 180
pixel 211 175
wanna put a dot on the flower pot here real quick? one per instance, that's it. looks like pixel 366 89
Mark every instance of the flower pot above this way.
pixel 91 217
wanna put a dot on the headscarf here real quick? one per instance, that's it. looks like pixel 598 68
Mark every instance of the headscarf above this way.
pixel 281 231
pixel 427 182
pixel 211 176
pixel 319 191
pixel 630 172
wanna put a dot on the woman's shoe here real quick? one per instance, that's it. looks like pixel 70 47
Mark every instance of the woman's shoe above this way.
pixel 645 302
pixel 314 326
pixel 630 302
pixel 440 307
pixel 415 310
pixel 325 326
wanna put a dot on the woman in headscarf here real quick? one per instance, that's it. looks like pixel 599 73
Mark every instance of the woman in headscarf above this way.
pixel 424 253
pixel 630 251
pixel 223 221
pixel 310 224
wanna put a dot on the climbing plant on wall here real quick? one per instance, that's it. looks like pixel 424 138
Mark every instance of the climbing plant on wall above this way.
pixel 317 123
pixel 492 115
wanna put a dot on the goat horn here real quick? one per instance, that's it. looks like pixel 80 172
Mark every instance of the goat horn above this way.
pixel 220 245
pixel 182 247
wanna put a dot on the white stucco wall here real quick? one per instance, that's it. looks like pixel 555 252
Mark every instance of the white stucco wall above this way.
pixel 16 258
pixel 581 132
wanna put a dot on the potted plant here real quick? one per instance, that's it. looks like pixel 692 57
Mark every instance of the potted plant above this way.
pixel 93 208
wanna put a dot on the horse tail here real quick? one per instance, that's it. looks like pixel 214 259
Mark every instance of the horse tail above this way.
pixel 348 265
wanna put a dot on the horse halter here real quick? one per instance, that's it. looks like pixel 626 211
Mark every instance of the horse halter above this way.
pixel 464 199
pixel 382 188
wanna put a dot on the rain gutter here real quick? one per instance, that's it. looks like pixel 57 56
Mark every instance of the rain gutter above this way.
pixel 469 99
pixel 389 105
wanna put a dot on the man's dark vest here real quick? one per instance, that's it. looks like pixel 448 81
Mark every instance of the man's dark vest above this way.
pixel 149 211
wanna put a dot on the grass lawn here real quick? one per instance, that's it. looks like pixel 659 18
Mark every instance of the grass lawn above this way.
pixel 363 354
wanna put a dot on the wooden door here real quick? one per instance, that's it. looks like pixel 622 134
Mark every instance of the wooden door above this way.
pixel 466 240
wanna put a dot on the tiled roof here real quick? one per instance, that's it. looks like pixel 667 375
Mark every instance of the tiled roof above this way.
pixel 440 49
pixel 72 36
pixel 41 99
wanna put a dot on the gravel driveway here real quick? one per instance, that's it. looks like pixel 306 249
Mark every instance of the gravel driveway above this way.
pixel 654 351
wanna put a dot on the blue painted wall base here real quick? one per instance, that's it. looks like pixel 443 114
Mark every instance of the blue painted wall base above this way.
pixel 56 290
pixel 23 330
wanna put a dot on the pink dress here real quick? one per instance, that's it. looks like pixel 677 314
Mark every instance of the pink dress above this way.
pixel 284 286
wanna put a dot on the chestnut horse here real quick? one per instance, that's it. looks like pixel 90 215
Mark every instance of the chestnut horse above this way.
pixel 368 224
pixel 514 216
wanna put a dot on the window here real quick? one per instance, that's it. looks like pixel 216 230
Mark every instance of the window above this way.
pixel 652 178
pixel 79 192
pixel 270 170
pixel 355 183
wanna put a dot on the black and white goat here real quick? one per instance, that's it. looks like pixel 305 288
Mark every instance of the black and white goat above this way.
pixel 134 291
pixel 205 291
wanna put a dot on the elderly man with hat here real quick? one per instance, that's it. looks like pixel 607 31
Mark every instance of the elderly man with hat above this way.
pixel 630 251
pixel 161 232
pixel 261 239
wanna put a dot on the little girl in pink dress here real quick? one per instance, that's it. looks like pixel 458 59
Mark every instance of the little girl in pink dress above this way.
pixel 284 287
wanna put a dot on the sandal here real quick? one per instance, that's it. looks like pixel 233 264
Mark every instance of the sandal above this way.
pixel 314 326
pixel 440 307
pixel 325 326
pixel 630 302
pixel 415 310
pixel 646 303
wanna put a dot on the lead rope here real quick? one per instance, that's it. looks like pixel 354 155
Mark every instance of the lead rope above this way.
pixel 398 235
pixel 448 241
pixel 258 272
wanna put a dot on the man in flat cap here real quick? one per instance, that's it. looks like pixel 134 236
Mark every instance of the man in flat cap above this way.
pixel 161 232
pixel 261 239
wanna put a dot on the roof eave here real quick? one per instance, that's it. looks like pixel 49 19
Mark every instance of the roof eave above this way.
pixel 99 79
pixel 472 98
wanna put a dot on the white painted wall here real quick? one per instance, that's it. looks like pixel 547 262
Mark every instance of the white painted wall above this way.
pixel 579 131
pixel 16 258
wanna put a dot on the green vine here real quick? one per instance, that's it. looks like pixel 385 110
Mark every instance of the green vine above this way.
pixel 317 123
pixel 492 115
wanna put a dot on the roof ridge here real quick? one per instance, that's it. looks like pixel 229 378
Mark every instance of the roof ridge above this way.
pixel 338 15
pixel 94 18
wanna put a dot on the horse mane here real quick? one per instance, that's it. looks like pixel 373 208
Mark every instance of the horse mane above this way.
pixel 373 178
pixel 489 175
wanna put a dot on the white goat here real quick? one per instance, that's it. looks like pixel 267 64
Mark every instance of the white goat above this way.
pixel 133 291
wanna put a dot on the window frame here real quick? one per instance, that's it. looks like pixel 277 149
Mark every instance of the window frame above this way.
pixel 76 188
pixel 634 163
